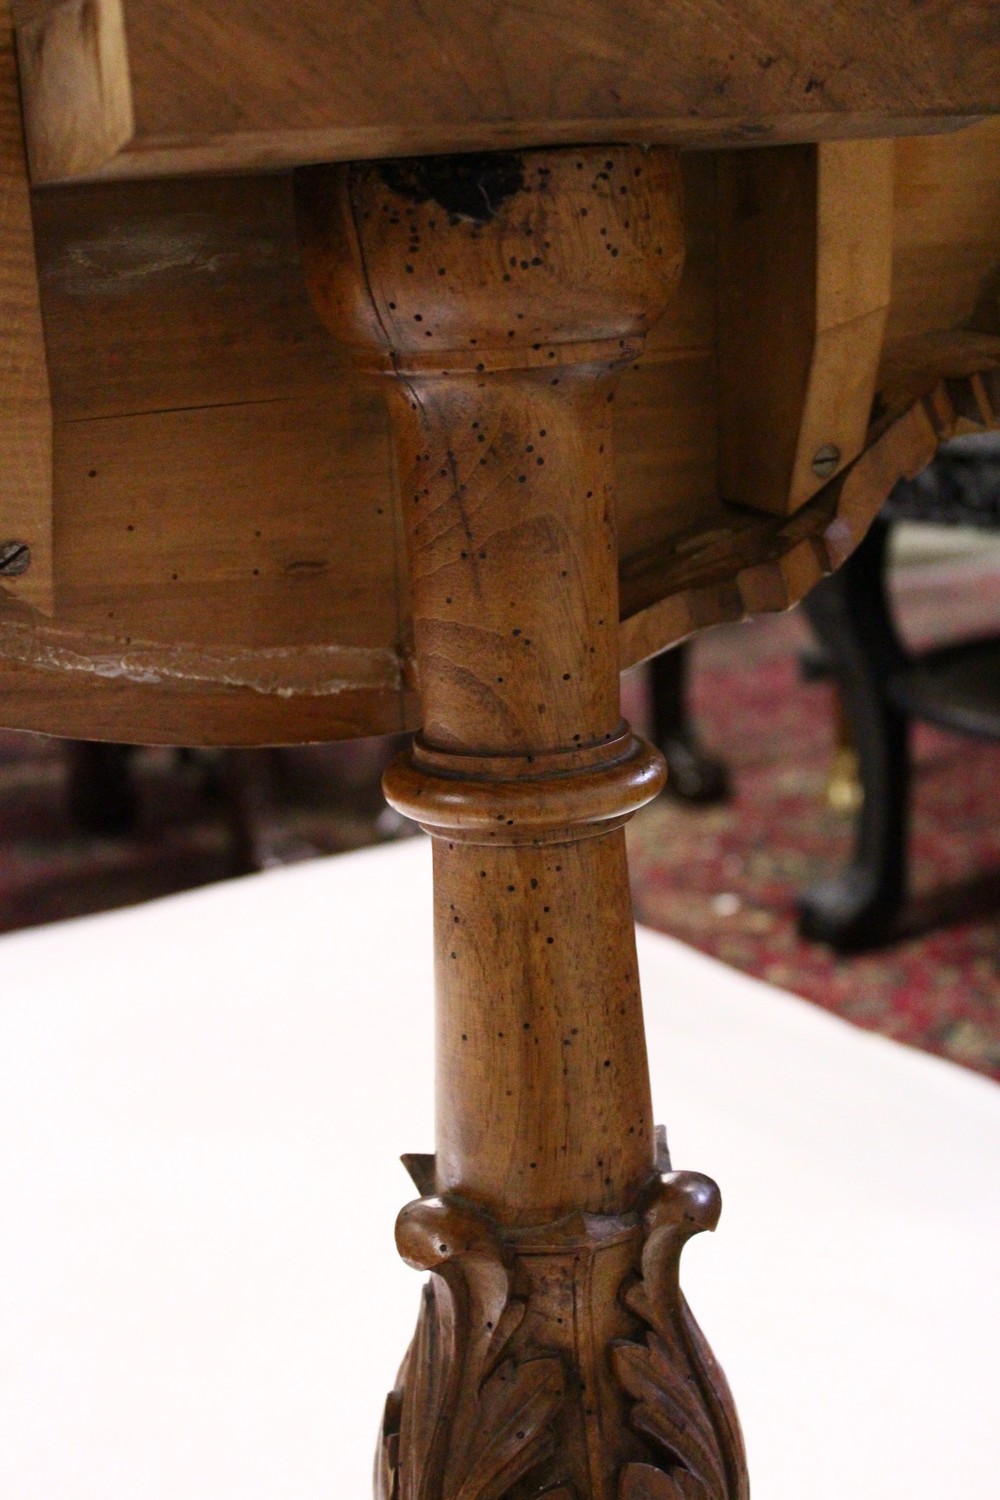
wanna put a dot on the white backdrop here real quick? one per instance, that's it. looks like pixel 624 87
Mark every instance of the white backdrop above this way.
pixel 202 1103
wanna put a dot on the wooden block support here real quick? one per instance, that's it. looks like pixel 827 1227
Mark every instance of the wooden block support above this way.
pixel 805 275
pixel 25 412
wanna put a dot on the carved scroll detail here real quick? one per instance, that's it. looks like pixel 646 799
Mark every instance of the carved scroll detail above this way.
pixel 682 1403
pixel 559 1361
pixel 468 1420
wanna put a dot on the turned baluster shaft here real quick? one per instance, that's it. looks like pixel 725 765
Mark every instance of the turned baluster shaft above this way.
pixel 542 1088
pixel 501 296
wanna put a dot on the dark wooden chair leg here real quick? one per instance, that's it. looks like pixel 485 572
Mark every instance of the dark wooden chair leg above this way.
pixel 100 793
pixel 244 777
pixel 693 775
pixel 850 614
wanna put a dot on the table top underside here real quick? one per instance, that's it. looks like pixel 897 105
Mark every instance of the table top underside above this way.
pixel 145 87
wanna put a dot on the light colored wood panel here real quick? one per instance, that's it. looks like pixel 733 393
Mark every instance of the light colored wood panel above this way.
pixel 160 295
pixel 666 453
pixel 768 208
pixel 838 401
pixel 946 234
pixel 263 526
pixel 192 87
pixel 804 269
pixel 25 413
pixel 854 260
pixel 853 291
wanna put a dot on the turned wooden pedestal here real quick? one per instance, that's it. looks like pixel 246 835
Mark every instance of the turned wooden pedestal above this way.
pixel 213 533
pixel 554 1353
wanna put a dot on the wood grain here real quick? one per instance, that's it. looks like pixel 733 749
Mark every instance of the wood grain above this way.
pixel 26 498
pixel 565 1357
pixel 503 394
pixel 804 267
pixel 720 564
pixel 502 298
pixel 946 234
pixel 139 87
pixel 177 321
pixel 743 565
pixel 159 296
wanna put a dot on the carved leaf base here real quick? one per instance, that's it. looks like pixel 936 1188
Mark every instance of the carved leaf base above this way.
pixel 559 1361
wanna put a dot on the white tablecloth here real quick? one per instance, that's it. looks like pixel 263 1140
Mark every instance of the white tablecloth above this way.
pixel 201 1106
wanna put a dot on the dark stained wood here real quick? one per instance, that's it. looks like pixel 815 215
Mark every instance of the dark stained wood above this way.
pixel 139 87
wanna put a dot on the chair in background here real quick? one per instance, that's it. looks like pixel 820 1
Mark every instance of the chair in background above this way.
pixel 885 688
pixel 693 775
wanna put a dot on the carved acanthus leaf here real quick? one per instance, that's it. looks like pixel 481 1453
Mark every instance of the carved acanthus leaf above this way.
pixel 467 1420
pixel 682 1402
pixel 511 1432
pixel 716 1387
pixel 643 1482
pixel 431 1365
pixel 387 1453
pixel 670 1409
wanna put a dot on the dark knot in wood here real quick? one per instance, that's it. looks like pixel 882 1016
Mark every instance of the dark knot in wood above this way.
pixel 472 186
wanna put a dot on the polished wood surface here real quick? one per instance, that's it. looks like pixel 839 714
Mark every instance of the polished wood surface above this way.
pixel 545 1204
pixel 134 87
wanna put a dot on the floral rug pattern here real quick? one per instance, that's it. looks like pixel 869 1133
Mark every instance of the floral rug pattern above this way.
pixel 724 879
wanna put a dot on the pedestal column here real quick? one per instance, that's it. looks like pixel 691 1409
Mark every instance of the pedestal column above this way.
pixel 554 1354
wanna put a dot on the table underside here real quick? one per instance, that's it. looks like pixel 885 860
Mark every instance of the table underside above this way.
pixel 254 589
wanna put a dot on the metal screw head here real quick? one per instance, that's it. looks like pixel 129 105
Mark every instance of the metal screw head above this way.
pixel 826 460
pixel 15 558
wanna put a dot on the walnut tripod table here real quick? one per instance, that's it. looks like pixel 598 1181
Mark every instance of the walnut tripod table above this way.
pixel 442 442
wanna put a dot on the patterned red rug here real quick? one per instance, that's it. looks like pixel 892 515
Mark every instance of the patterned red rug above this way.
pixel 724 879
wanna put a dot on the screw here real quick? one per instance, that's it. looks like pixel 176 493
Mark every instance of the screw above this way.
pixel 15 558
pixel 826 460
